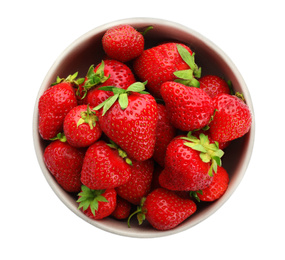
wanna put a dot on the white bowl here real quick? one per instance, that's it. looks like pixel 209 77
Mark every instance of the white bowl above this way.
pixel 87 50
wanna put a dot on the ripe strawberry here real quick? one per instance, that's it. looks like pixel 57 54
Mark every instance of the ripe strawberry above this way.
pixel 139 183
pixel 214 85
pixel 189 163
pixel 97 204
pixel 189 108
pixel 232 118
pixel 166 62
pixel 129 118
pixel 217 188
pixel 123 209
pixel 104 166
pixel 54 105
pixel 106 73
pixel 165 132
pixel 123 43
pixel 164 210
pixel 64 163
pixel 80 127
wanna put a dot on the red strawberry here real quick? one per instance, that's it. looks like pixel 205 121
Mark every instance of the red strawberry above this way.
pixel 189 108
pixel 217 188
pixel 165 132
pixel 104 167
pixel 80 127
pixel 123 43
pixel 54 105
pixel 129 119
pixel 214 85
pixel 123 209
pixel 106 73
pixel 166 62
pixel 97 204
pixel 189 163
pixel 164 210
pixel 232 118
pixel 139 183
pixel 65 163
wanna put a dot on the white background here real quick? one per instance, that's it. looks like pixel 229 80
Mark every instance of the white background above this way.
pixel 35 224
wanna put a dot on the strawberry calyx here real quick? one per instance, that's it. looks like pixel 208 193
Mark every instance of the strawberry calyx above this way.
pixel 90 198
pixel 140 212
pixel 209 152
pixel 60 136
pixel 71 79
pixel 92 79
pixel 89 117
pixel 121 152
pixel 194 194
pixel 121 95
pixel 188 77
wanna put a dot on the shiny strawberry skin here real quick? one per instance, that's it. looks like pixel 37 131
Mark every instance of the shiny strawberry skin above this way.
pixel 139 183
pixel 65 164
pixel 213 85
pixel 105 209
pixel 217 188
pixel 53 106
pixel 232 118
pixel 189 108
pixel 157 65
pixel 103 168
pixel 184 169
pixel 165 210
pixel 133 128
pixel 80 135
pixel 123 43
pixel 165 132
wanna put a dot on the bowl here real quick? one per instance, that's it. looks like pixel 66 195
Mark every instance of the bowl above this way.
pixel 87 50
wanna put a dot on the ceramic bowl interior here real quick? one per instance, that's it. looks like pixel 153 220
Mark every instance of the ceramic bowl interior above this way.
pixel 87 50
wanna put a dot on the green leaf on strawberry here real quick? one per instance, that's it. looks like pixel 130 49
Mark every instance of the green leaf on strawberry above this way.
pixel 90 198
pixel 209 152
pixel 121 95
pixel 88 117
pixel 189 59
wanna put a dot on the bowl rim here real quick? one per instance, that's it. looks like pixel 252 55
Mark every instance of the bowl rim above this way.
pixel 61 194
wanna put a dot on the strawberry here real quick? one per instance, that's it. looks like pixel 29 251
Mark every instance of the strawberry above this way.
pixel 54 105
pixel 190 163
pixel 164 210
pixel 189 108
pixel 80 127
pixel 97 204
pixel 166 62
pixel 123 209
pixel 139 183
pixel 105 166
pixel 214 85
pixel 129 118
pixel 123 43
pixel 232 118
pixel 217 188
pixel 106 73
pixel 165 132
pixel 64 163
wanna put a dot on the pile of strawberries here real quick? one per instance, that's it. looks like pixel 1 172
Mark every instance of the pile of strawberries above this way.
pixel 142 133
